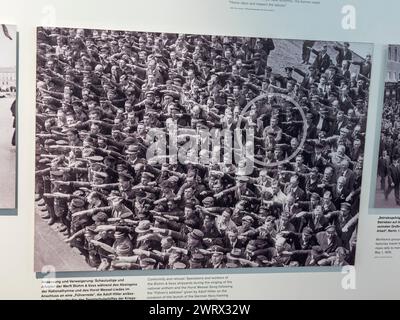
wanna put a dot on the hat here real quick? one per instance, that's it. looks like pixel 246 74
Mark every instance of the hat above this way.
pixel 124 176
pixel 208 201
pixel 315 196
pixel 147 262
pixel 285 214
pixel 248 219
pixel 242 178
pixel 307 231
pixel 332 66
pixel 231 265
pixel 179 265
pixel 100 217
pixel 147 175
pixel 43 161
pixel 123 249
pixel 330 229
pixel 77 203
pixel 215 249
pixel 133 148
pixel 197 257
pixel 62 142
pixel 314 170
pixel 143 226
pixel 235 254
pixel 56 173
pixel 252 246
pixel 99 174
pixel 119 235
pixel 317 251
pixel 96 158
pixel 196 234
pixel 319 146
pixel 270 219
pixel 342 251
pixel 345 206
pixel 49 141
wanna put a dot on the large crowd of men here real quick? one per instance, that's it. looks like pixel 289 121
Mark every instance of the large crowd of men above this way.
pixel 100 94
pixel 389 151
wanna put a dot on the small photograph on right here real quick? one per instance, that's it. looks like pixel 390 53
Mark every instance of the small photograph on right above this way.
pixel 388 176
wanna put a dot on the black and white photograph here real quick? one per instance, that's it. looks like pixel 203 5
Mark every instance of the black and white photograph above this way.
pixel 388 176
pixel 8 118
pixel 183 151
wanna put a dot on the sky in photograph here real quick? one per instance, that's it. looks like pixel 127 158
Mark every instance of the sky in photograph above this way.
pixel 8 47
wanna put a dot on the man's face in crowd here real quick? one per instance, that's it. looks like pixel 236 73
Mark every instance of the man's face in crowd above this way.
pixel 141 129
pixel 232 236
pixel 341 150
pixel 246 224
pixel 71 136
pixel 327 199
pixel 294 181
pixel 188 193
pixel 171 205
pixel 318 211
pixel 275 189
pixel 166 244
pixel 98 181
pixel 226 217
pixel 314 201
pixel 264 176
pixel 229 116
pixel 174 257
pixel 290 200
pixel 217 186
pixel 345 165
pixel 280 246
pixel 94 115
pixel 144 181
pixel 125 184
pixel 330 234
pixel 299 160
pixel 328 173
pixel 216 259
pixel 341 181
pixel 305 237
pixel 193 242
pixel 70 120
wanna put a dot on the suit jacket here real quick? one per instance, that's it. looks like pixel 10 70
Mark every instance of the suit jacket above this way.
pixel 322 239
pixel 343 55
pixel 355 154
pixel 318 163
pixel 337 126
pixel 339 196
pixel 322 63
pixel 350 179
pixel 326 125
pixel 316 224
pixel 394 175
pixel 383 167
pixel 298 194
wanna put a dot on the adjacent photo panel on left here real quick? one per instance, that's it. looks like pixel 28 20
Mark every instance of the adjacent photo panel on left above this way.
pixel 8 119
